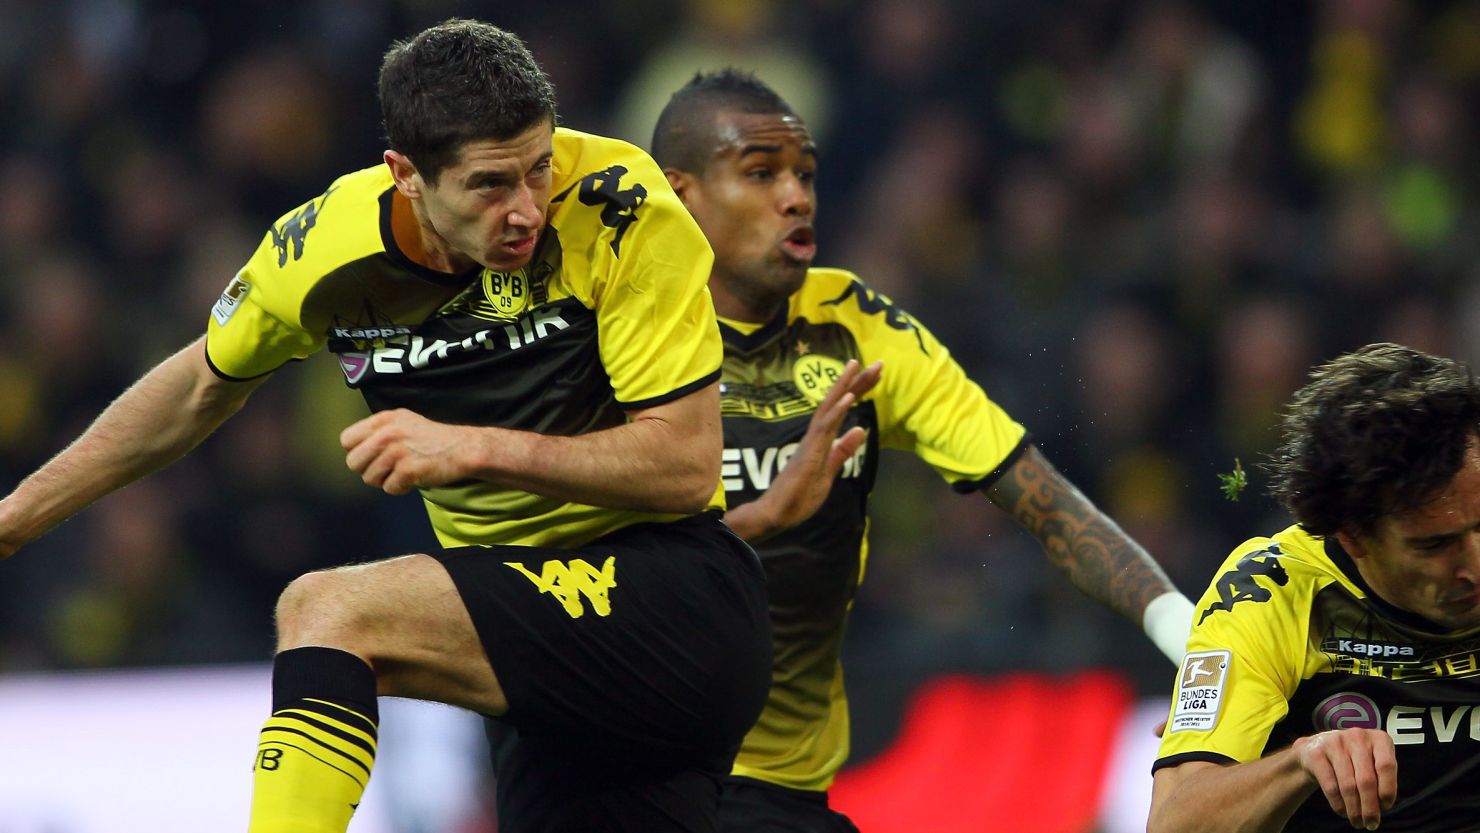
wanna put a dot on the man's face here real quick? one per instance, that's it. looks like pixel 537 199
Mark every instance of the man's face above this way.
pixel 1427 560
pixel 490 205
pixel 755 202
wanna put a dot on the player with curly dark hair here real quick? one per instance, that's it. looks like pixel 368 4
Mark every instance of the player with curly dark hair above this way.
pixel 1333 666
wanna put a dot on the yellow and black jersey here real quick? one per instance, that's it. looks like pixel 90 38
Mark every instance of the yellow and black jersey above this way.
pixel 773 380
pixel 612 313
pixel 1290 641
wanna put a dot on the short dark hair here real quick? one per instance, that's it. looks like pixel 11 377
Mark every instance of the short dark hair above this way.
pixel 684 139
pixel 459 81
pixel 1376 432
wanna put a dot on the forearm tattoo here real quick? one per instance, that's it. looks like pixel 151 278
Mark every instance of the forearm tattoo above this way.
pixel 1098 557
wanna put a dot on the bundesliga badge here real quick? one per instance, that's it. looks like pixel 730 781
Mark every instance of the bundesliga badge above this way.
pixel 1200 691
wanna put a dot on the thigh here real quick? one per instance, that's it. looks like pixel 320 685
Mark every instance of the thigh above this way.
pixel 751 806
pixel 405 617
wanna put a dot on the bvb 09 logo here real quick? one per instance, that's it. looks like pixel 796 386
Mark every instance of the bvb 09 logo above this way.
pixel 814 374
pixel 508 293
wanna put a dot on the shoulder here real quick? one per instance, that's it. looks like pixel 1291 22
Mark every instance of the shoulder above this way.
pixel 1268 577
pixel 839 296
pixel 339 226
pixel 838 293
pixel 582 157
pixel 611 191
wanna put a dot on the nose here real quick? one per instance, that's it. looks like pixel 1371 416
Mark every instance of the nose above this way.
pixel 526 212
pixel 797 197
pixel 1467 567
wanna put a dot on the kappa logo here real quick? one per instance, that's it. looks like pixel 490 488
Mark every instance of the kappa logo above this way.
pixel 570 581
pixel 618 205
pixel 1357 647
pixel 294 230
pixel 873 303
pixel 1239 585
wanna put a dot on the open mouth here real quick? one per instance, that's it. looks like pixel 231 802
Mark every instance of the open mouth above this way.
pixel 800 244
pixel 521 246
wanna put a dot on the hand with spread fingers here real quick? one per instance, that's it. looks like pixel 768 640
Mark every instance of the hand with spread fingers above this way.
pixel 807 478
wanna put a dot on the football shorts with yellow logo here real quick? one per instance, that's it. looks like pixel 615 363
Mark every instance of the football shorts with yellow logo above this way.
pixel 619 716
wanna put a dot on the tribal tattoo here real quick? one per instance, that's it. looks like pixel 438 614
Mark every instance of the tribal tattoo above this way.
pixel 1083 542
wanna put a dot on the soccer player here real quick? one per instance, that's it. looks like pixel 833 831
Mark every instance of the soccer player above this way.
pixel 524 309
pixel 803 354
pixel 1330 680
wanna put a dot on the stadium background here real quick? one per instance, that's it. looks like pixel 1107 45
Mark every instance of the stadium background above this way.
pixel 1137 224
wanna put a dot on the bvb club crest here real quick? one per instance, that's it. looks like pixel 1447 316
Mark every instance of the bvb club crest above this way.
pixel 814 374
pixel 507 293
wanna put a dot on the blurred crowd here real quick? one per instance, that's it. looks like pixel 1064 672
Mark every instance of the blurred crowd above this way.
pixel 1137 224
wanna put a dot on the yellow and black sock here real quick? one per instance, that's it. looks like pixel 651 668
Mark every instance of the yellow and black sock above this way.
pixel 315 753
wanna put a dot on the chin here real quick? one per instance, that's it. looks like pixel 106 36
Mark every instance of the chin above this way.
pixel 791 278
pixel 503 263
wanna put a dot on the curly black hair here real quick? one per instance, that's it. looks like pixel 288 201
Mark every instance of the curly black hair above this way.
pixel 1376 432
pixel 459 81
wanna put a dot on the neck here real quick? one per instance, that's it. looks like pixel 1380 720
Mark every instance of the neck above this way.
pixel 420 241
pixel 738 302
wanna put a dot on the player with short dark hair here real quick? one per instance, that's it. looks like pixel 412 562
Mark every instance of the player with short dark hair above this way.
pixel 1331 676
pixel 524 309
pixel 811 352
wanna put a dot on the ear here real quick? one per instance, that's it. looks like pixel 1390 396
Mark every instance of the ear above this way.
pixel 1352 544
pixel 408 180
pixel 683 184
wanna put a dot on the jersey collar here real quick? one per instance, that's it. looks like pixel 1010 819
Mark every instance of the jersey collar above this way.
pixel 1398 615
pixel 742 343
pixel 393 251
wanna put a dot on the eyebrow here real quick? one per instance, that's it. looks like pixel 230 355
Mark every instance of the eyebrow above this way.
pixel 1442 537
pixel 504 177
pixel 809 149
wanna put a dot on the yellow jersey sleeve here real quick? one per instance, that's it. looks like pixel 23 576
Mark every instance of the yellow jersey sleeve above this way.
pixel 926 403
pixel 658 336
pixel 256 325
pixel 1245 658
pixel 243 338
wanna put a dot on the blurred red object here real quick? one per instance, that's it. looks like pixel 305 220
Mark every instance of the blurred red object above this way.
pixel 1026 752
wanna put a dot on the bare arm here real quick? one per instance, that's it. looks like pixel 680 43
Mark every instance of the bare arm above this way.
pixel 1098 557
pixel 163 415
pixel 804 484
pixel 1354 768
pixel 664 459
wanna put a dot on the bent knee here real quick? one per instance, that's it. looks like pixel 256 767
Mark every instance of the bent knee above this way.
pixel 313 606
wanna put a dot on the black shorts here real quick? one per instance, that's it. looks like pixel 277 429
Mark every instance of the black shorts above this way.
pixel 633 667
pixel 751 806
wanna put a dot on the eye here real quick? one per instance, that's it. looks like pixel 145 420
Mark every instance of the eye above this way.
pixel 541 169
pixel 760 174
pixel 1433 545
pixel 807 177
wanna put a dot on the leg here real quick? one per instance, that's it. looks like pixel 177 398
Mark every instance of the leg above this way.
pixel 395 627
pixel 404 618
